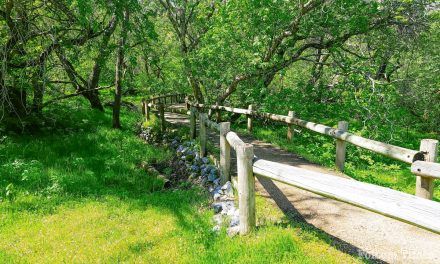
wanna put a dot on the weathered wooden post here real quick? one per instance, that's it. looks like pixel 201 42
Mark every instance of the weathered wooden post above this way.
pixel 246 188
pixel 162 117
pixel 290 126
pixel 225 152
pixel 249 118
pixel 192 123
pixel 143 107
pixel 147 110
pixel 202 134
pixel 217 113
pixel 341 146
pixel 425 185
pixel 187 103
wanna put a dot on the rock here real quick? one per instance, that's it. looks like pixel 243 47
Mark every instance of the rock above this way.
pixel 235 220
pixel 217 190
pixel 212 177
pixel 228 208
pixel 233 231
pixel 216 195
pixel 227 189
pixel 204 181
pixel 216 228
pixel 217 207
pixel 216 182
pixel 205 160
pixel 205 171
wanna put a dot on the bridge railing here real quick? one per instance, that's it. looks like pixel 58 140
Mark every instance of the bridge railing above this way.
pixel 159 103
pixel 404 207
pixel 427 152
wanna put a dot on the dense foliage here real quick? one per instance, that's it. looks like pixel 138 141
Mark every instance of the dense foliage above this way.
pixel 377 58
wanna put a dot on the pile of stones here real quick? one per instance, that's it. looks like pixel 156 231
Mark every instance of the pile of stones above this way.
pixel 203 172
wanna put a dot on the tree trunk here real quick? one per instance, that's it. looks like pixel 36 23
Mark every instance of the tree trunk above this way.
pixel 16 101
pixel 38 89
pixel 92 84
pixel 119 70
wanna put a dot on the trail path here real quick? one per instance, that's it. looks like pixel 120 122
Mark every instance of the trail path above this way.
pixel 353 230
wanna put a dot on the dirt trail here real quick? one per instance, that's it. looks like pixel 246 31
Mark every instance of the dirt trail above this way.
pixel 353 230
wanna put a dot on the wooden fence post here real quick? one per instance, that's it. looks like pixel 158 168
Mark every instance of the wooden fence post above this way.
pixel 425 185
pixel 162 117
pixel 143 107
pixel 341 147
pixel 192 123
pixel 249 119
pixel 290 126
pixel 147 111
pixel 202 134
pixel 246 188
pixel 225 152
pixel 217 113
pixel 187 103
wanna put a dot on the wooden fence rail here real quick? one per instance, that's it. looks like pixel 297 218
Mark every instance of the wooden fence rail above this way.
pixel 395 152
pixel 159 104
pixel 427 152
pixel 407 208
pixel 397 205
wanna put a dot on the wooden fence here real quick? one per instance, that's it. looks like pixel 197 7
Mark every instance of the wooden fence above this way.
pixel 428 148
pixel 397 205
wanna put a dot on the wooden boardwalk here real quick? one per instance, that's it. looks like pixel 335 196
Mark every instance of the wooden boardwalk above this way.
pixel 353 230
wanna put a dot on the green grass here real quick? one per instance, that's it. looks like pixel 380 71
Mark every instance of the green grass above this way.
pixel 361 164
pixel 75 192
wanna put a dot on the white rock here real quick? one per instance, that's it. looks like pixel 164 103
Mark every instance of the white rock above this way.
pixel 227 189
pixel 216 228
pixel 217 196
pixel 228 208
pixel 235 221
pixel 233 231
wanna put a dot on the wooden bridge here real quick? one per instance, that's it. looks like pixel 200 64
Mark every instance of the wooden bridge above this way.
pixel 415 210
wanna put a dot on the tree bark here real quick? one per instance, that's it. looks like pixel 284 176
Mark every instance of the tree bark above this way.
pixel 88 88
pixel 119 70
pixel 93 95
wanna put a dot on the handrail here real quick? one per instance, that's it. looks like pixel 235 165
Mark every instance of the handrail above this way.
pixel 427 152
pixel 151 102
pixel 426 169
pixel 394 204
pixel 388 150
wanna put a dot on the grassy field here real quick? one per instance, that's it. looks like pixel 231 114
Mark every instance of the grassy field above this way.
pixel 75 192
